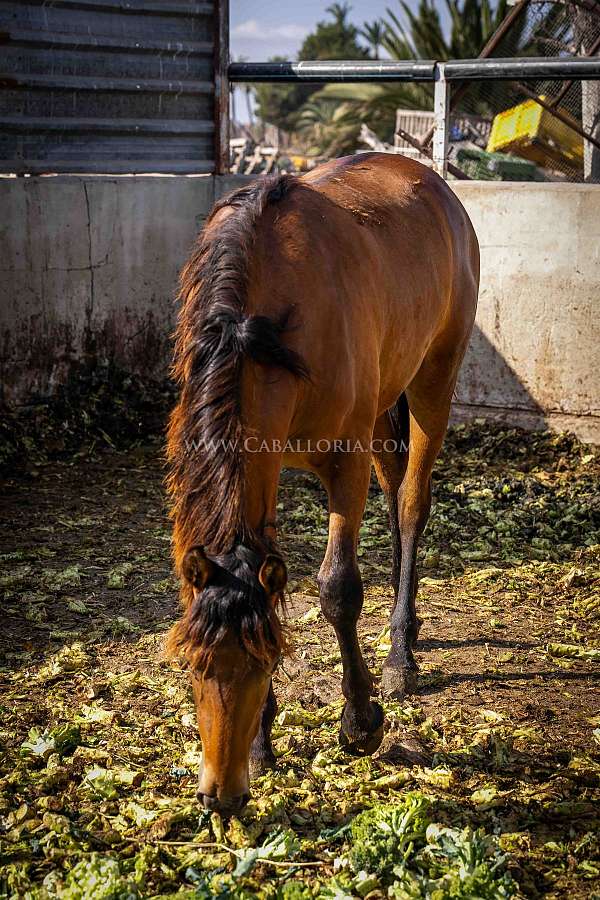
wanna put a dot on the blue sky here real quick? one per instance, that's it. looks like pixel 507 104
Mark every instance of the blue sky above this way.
pixel 260 29
pixel 263 28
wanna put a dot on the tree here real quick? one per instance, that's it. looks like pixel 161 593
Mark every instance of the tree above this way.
pixel 472 24
pixel 324 129
pixel 334 38
pixel 277 103
pixel 374 34
pixel 419 35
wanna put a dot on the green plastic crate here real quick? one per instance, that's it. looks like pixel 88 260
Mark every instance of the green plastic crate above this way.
pixel 484 166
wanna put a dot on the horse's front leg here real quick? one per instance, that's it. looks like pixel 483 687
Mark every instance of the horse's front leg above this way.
pixel 262 756
pixel 341 593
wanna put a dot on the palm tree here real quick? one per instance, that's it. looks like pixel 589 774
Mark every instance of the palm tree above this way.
pixel 339 12
pixel 419 35
pixel 373 33
pixel 324 128
pixel 420 38
pixel 472 24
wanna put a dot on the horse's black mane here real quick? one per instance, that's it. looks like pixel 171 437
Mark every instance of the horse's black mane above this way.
pixel 213 336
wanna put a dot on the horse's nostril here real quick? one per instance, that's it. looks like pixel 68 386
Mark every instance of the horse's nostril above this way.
pixel 227 806
pixel 207 801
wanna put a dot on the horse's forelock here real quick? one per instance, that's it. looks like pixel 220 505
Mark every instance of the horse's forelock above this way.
pixel 234 604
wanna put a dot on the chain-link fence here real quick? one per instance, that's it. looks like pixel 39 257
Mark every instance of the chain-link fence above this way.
pixel 536 130
pixel 529 127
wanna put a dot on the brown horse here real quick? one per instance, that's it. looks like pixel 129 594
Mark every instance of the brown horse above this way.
pixel 323 321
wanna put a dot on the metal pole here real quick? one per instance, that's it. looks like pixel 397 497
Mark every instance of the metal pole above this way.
pixel 325 71
pixel 441 121
pixel 569 84
pixel 453 170
pixel 221 64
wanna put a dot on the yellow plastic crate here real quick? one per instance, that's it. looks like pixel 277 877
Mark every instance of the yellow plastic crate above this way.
pixel 532 132
pixel 302 163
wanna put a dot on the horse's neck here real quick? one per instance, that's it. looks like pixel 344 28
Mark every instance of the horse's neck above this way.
pixel 267 409
pixel 261 480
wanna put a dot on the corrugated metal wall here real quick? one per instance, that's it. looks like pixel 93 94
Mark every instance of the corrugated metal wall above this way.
pixel 106 86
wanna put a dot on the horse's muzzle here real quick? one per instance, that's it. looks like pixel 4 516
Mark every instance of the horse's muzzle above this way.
pixel 226 806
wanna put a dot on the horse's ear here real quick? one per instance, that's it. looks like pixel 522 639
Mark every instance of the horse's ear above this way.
pixel 273 575
pixel 197 568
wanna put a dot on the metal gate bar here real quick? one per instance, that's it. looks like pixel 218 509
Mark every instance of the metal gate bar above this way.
pixel 441 73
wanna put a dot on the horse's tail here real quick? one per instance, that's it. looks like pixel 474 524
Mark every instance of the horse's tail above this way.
pixel 400 422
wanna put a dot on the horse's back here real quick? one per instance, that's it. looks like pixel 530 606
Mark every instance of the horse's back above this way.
pixel 392 192
pixel 379 260
pixel 415 254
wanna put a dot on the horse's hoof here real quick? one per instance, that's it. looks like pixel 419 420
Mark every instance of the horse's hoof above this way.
pixel 398 683
pixel 360 742
pixel 260 765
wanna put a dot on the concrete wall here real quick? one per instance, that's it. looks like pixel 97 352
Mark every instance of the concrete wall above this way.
pixel 89 268
pixel 534 358
pixel 89 272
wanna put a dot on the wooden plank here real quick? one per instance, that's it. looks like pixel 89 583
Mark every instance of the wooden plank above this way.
pixel 221 63
pixel 147 7
pixel 101 23
pixel 103 42
pixel 120 167
pixel 40 103
pixel 80 149
pixel 107 86
pixel 94 63
pixel 107 126
pixel 15 80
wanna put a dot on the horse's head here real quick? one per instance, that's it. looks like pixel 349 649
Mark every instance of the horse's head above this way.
pixel 232 639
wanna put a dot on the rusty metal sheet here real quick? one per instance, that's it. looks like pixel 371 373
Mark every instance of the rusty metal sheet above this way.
pixel 97 85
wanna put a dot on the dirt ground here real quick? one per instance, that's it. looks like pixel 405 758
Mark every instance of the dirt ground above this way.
pixel 504 733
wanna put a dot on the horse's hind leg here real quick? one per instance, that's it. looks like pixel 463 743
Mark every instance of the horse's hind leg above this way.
pixel 390 458
pixel 429 409
pixel 347 482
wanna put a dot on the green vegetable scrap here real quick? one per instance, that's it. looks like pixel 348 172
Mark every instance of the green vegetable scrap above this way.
pixel 62 739
pixel 117 577
pixel 280 845
pixel 384 837
pixel 396 846
pixel 487 782
pixel 572 651
pixel 455 865
pixel 69 659
pixel 98 878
